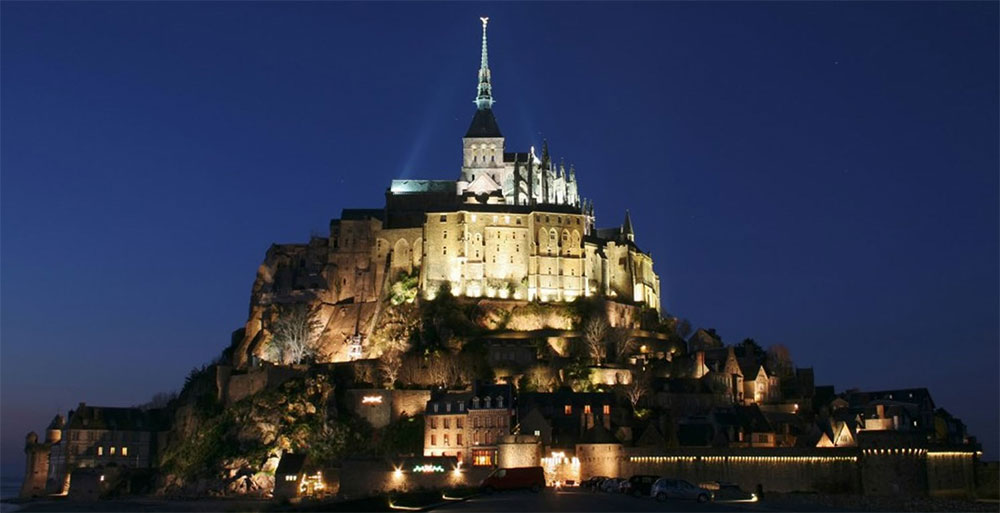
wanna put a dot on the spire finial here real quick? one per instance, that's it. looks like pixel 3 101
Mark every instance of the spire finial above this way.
pixel 484 100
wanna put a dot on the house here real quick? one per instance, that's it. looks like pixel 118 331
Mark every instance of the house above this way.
pixel 468 425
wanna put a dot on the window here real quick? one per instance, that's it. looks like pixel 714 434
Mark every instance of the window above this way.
pixel 447 423
pixel 435 407
pixel 500 402
pixel 444 234
pixel 586 410
pixel 458 423
pixel 461 407
pixel 100 451
pixel 538 433
pixel 444 250
pixel 489 422
pixel 111 450
pixel 606 409
pixel 568 410
pixel 124 451
pixel 433 440
pixel 447 407
pixel 444 218
pixel 475 438
pixel 446 439
pixel 487 402
pixel 458 439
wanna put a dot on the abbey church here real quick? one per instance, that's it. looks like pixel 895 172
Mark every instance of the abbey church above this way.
pixel 512 227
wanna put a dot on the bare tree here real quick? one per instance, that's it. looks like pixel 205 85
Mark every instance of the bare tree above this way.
pixel 293 335
pixel 594 333
pixel 390 363
pixel 637 388
pixel 779 360
pixel 621 341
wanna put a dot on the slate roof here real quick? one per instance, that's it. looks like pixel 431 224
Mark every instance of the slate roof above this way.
pixel 115 419
pixel 903 395
pixel 290 464
pixel 484 124
pixel 360 214
pixel 598 435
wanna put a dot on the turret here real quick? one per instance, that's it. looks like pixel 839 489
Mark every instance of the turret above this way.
pixel 53 434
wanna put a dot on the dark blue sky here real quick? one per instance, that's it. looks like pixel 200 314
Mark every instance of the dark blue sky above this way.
pixel 820 175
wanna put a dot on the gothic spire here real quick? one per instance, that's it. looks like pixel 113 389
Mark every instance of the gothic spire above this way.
pixel 484 100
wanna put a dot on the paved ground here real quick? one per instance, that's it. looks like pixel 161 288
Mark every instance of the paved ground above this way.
pixel 582 500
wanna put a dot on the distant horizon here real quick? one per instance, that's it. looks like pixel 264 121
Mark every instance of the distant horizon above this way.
pixel 820 175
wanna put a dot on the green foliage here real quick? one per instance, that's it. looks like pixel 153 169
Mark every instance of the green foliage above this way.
pixel 292 417
pixel 404 289
pixel 405 436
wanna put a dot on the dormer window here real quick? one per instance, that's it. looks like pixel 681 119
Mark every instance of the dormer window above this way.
pixel 447 407
pixel 461 406
pixel 435 407
pixel 487 402
pixel 500 402
pixel 475 402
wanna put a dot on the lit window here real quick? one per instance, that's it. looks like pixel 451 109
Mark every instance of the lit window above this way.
pixel 446 439
pixel 586 410
pixel 124 451
pixel 112 450
pixel 607 409
pixel 538 433
pixel 100 451
pixel 291 478
pixel 568 410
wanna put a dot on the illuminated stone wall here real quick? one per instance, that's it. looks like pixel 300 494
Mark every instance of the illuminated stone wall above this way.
pixel 601 460
pixel 780 470
pixel 364 477
pixel 519 451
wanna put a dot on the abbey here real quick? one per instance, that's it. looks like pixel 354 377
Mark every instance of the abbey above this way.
pixel 512 226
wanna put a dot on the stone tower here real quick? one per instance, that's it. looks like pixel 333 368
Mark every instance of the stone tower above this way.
pixel 483 144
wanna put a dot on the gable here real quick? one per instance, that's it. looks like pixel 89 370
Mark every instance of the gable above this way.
pixel 483 184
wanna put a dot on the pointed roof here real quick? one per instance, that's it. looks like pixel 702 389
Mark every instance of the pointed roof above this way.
pixel 598 435
pixel 484 124
pixel 627 225
pixel 484 100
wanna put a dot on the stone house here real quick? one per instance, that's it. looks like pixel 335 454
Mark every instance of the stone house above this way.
pixel 468 425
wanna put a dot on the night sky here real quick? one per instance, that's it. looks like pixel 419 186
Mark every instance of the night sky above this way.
pixel 819 175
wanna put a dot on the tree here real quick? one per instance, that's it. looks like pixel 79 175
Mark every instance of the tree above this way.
pixel 621 341
pixel 637 388
pixel 293 335
pixel 683 328
pixel 750 347
pixel 390 364
pixel 779 360
pixel 593 334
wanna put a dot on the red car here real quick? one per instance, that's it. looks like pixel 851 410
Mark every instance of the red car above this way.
pixel 531 478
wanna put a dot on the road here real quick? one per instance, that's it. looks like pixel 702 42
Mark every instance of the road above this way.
pixel 582 500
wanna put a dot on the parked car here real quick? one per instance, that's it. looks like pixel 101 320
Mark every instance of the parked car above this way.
pixel 593 483
pixel 570 482
pixel 665 488
pixel 641 484
pixel 729 492
pixel 532 478
pixel 612 485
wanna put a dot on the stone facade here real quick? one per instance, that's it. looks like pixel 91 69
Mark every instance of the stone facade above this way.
pixel 513 226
